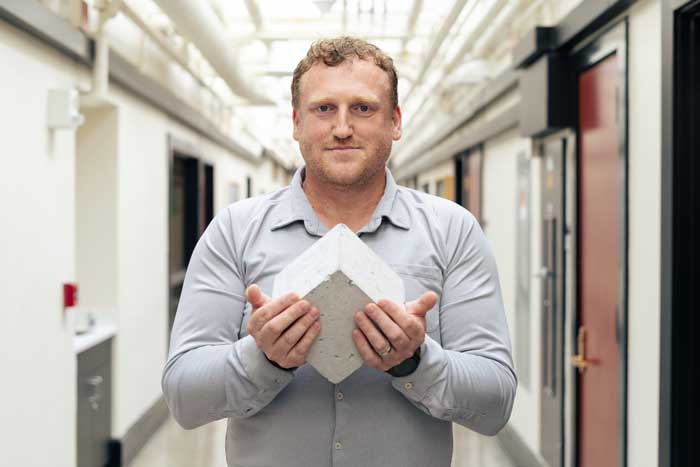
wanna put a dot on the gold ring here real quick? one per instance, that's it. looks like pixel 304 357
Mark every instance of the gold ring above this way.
pixel 386 351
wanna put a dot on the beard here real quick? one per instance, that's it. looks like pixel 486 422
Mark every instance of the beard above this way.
pixel 346 171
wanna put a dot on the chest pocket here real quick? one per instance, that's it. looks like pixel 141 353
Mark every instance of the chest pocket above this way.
pixel 417 280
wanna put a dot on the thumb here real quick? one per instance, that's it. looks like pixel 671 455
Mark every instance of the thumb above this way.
pixel 424 303
pixel 255 296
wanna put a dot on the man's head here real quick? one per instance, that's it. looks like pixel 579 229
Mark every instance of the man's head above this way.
pixel 333 52
pixel 345 110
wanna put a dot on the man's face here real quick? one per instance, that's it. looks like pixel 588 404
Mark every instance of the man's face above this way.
pixel 345 123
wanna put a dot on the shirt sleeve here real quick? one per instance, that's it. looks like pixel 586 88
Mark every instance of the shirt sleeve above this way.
pixel 210 373
pixel 469 379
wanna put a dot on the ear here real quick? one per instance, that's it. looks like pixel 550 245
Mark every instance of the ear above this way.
pixel 396 123
pixel 295 121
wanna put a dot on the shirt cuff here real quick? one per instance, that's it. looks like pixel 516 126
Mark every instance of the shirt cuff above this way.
pixel 429 372
pixel 258 368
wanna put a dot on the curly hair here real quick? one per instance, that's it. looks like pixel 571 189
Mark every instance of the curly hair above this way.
pixel 333 52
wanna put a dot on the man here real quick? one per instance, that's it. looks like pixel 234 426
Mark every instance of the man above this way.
pixel 237 353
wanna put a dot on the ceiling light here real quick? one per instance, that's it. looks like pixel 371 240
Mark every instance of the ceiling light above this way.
pixel 324 5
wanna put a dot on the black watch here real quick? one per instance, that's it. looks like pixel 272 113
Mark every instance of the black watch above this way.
pixel 406 367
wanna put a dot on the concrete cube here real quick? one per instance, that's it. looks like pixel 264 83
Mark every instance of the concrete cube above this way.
pixel 339 275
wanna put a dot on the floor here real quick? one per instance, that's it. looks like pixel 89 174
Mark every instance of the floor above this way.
pixel 172 446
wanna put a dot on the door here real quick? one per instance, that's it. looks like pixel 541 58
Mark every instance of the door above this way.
pixel 552 152
pixel 468 168
pixel 680 257
pixel 600 224
pixel 191 210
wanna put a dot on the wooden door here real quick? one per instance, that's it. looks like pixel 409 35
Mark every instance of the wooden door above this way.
pixel 600 223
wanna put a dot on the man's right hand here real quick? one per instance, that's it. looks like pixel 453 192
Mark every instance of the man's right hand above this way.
pixel 283 328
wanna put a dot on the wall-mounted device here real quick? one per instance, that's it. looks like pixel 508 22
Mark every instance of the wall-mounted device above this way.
pixel 64 109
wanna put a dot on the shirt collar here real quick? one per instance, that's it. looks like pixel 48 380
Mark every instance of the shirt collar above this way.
pixel 299 208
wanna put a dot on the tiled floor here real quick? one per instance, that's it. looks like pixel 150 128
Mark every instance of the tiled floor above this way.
pixel 172 446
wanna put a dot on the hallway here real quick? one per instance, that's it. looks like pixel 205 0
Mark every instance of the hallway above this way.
pixel 560 135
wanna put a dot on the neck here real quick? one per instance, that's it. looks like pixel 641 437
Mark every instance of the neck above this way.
pixel 352 206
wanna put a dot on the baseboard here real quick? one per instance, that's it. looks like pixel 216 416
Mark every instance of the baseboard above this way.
pixel 516 448
pixel 140 432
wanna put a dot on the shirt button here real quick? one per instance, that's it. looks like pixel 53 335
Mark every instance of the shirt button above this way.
pixel 338 445
pixel 408 386
pixel 339 396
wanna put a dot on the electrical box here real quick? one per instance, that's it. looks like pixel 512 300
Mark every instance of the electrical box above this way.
pixel 546 105
pixel 64 109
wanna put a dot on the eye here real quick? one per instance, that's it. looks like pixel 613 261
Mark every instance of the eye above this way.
pixel 363 108
pixel 323 108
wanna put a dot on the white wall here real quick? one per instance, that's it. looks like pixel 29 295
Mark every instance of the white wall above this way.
pixel 499 200
pixel 96 209
pixel 141 345
pixel 644 232
pixel 95 204
pixel 37 395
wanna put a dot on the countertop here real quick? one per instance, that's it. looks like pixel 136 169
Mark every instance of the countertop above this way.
pixel 102 330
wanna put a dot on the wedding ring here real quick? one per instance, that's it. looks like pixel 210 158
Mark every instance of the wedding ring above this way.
pixel 386 351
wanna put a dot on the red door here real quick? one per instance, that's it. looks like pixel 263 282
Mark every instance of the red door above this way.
pixel 599 261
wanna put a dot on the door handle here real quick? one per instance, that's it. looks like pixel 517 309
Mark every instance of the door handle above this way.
pixel 94 399
pixel 579 360
pixel 543 273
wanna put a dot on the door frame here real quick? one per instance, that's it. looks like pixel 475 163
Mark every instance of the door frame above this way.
pixel 567 140
pixel 612 40
pixel 204 205
pixel 674 157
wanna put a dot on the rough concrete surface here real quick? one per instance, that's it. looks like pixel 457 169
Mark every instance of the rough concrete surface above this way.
pixel 338 274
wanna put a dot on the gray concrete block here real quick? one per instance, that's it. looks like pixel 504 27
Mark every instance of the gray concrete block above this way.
pixel 338 274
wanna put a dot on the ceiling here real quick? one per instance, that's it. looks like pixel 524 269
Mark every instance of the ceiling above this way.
pixel 432 43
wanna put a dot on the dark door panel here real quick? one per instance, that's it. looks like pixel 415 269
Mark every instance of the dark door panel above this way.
pixel 552 152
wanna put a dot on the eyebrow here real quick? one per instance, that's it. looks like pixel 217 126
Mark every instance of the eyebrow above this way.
pixel 323 100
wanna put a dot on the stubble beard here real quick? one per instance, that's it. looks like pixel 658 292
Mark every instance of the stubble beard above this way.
pixel 323 170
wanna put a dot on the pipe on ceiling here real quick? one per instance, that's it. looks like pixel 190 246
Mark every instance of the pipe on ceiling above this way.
pixel 200 25
pixel 449 21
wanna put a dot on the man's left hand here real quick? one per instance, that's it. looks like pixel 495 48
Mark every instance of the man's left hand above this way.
pixel 388 333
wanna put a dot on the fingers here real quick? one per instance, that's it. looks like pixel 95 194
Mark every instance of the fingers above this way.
pixel 255 296
pixel 275 327
pixel 408 324
pixel 293 323
pixel 392 329
pixel 375 337
pixel 269 310
pixel 367 352
pixel 292 347
pixel 424 303
pixel 297 356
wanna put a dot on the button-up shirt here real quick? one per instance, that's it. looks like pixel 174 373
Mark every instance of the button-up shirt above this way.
pixel 298 418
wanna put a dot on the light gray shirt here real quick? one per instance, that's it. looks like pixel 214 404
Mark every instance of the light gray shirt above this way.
pixel 282 418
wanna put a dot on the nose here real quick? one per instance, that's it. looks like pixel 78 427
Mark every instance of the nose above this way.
pixel 343 125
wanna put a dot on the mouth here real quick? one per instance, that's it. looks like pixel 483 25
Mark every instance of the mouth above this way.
pixel 342 148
